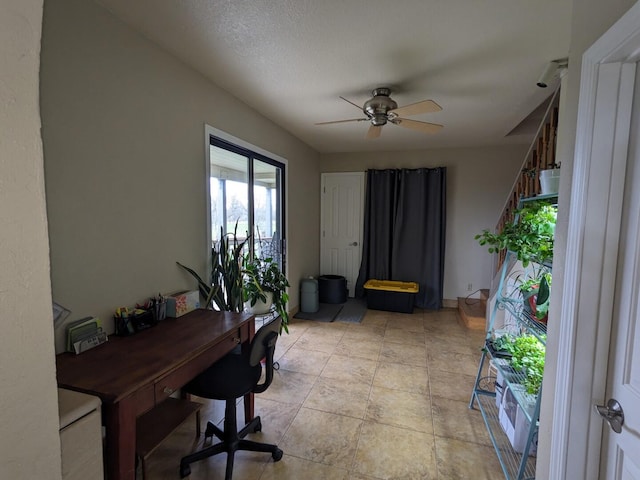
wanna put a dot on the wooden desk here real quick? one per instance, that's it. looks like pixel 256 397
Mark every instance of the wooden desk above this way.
pixel 133 374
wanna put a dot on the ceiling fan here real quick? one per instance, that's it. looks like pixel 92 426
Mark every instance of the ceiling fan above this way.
pixel 381 108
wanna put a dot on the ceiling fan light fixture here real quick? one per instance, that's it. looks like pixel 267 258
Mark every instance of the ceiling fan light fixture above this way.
pixel 379 119
pixel 382 109
pixel 380 104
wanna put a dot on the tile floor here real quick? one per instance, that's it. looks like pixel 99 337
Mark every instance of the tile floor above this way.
pixel 383 399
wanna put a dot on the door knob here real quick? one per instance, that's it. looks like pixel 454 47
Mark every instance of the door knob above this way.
pixel 353 244
pixel 612 412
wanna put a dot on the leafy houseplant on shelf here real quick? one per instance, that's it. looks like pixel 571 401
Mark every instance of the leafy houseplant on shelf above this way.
pixel 266 285
pixel 530 237
pixel 527 356
pixel 224 290
pixel 535 293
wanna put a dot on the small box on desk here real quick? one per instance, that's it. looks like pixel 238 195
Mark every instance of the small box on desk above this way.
pixel 390 295
pixel 179 303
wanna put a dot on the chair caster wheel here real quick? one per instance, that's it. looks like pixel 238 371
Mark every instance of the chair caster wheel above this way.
pixel 185 471
pixel 258 427
pixel 277 455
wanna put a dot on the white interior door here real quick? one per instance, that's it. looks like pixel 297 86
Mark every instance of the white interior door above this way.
pixel 341 229
pixel 598 333
pixel 621 449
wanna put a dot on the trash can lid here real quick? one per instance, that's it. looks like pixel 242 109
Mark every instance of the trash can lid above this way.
pixel 309 285
pixel 331 277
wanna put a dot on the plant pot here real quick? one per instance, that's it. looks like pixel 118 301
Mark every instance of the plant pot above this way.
pixel 533 307
pixel 260 307
pixel 494 352
pixel 550 181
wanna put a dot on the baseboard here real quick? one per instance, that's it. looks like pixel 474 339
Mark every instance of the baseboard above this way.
pixel 450 303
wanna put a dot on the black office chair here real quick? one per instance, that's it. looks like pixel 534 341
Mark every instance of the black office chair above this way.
pixel 230 378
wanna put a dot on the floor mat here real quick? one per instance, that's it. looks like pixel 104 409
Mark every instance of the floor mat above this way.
pixel 326 313
pixel 353 311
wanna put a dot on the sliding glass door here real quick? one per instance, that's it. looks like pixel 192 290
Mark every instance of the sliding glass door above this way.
pixel 247 191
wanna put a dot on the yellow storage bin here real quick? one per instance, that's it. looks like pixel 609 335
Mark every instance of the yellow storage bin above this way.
pixel 391 295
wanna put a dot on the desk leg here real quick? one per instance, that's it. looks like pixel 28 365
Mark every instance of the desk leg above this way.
pixel 120 422
pixel 248 399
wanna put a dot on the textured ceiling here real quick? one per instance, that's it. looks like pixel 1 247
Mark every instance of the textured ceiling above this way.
pixel 292 59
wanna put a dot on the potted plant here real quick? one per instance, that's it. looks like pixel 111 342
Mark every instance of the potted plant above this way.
pixel 530 237
pixel 501 346
pixel 265 285
pixel 224 290
pixel 550 179
pixel 535 293
pixel 528 356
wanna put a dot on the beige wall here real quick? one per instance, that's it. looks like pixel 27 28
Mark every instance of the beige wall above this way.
pixel 123 132
pixel 590 19
pixel 478 182
pixel 29 441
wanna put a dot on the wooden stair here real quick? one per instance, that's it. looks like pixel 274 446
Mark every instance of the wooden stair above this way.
pixel 472 311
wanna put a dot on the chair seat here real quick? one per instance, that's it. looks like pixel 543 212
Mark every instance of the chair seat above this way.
pixel 229 378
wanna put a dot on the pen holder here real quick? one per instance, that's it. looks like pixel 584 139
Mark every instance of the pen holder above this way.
pixel 123 326
pixel 159 311
pixel 142 321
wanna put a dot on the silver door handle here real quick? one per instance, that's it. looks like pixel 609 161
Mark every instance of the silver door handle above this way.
pixel 353 244
pixel 612 412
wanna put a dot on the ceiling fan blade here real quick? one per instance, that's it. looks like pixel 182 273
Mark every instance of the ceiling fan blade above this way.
pixel 423 127
pixel 426 106
pixel 374 131
pixel 354 104
pixel 342 121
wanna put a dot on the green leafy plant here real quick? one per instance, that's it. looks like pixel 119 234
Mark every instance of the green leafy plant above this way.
pixel 528 356
pixel 530 237
pixel 263 275
pixel 504 343
pixel 224 290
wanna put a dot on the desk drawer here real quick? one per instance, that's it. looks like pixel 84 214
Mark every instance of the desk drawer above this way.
pixel 171 382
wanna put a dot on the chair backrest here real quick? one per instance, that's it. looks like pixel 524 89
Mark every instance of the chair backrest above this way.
pixel 260 342
pixel 263 345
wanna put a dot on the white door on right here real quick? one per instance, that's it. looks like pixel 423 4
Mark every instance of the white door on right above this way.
pixel 621 451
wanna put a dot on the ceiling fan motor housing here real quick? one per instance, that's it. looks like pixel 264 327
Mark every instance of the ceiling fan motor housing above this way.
pixel 377 107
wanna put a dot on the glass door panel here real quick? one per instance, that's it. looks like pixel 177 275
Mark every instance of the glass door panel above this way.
pixel 229 186
pixel 267 210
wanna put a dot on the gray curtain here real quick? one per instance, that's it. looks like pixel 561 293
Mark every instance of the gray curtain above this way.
pixel 404 231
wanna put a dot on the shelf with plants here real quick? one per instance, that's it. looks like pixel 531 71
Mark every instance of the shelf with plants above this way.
pixel 508 385
pixel 511 461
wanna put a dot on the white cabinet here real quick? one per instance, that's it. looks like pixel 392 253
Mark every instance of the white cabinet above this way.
pixel 80 435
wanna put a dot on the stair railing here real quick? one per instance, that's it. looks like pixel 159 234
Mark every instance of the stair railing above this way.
pixel 541 155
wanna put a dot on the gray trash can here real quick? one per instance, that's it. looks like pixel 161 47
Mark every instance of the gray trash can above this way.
pixel 309 295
